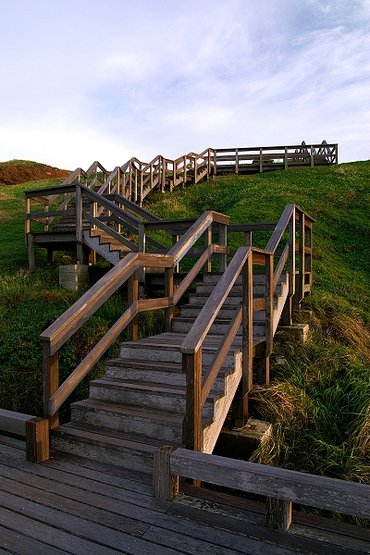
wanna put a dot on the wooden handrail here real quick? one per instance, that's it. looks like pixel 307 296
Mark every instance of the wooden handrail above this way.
pixel 182 247
pixel 280 486
pixel 56 335
pixel 195 337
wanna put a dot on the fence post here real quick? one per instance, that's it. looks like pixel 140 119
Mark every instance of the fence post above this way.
pixel 300 278
pixel 165 486
pixel 287 316
pixel 37 440
pixel 278 514
pixel 192 368
pixel 241 415
pixel 50 381
pixel 133 297
pixel 223 242
pixel 79 249
pixel 168 291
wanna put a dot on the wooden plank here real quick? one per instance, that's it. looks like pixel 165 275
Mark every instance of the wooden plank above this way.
pixel 278 514
pixel 13 422
pixel 192 368
pixel 208 314
pixel 37 440
pixel 165 486
pixel 307 489
pixel 20 543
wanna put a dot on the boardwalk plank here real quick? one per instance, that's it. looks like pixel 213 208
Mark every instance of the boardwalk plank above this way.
pixel 20 543
pixel 60 477
pixel 78 526
pixel 49 536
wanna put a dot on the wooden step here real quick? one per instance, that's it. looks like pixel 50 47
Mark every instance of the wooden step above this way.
pixel 153 423
pixel 107 446
pixel 167 347
pixel 227 311
pixel 144 394
pixel 219 327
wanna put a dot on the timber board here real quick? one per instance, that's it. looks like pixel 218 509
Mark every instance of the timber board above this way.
pixel 70 504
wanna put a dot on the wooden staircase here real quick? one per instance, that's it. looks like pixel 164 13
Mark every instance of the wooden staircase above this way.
pixel 178 387
pixel 140 404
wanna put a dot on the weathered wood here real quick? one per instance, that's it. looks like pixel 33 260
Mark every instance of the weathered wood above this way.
pixel 168 291
pixel 50 382
pixel 208 314
pixel 269 296
pixel 288 485
pixel 192 368
pixel 37 440
pixel 165 486
pixel 221 353
pixel 278 514
pixel 133 297
pixel 13 422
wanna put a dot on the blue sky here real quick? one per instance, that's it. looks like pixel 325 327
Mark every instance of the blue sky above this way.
pixel 86 80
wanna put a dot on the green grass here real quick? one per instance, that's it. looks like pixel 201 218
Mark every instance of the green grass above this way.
pixel 319 396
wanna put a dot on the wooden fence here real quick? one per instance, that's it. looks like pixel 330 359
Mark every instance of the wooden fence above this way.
pixel 280 486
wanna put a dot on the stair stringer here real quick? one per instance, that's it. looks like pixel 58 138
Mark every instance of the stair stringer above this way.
pixel 103 249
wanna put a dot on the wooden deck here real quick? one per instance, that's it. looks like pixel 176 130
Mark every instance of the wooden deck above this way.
pixel 73 505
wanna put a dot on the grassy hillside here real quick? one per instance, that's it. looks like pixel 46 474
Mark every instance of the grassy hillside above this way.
pixel 320 393
pixel 319 398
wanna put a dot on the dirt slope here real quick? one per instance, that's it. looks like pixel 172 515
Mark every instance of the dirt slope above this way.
pixel 20 171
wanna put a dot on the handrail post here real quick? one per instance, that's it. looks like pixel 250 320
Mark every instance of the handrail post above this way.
pixel 223 242
pixel 236 161
pixel 208 244
pixel 133 297
pixel 287 316
pixel 241 413
pixel 50 381
pixel 168 291
pixel 261 161
pixel 192 368
pixel 269 301
pixel 79 253
pixel 286 158
pixel 214 162
pixel 299 293
pixel 312 157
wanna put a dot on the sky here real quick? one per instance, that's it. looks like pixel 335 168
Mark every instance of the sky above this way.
pixel 85 80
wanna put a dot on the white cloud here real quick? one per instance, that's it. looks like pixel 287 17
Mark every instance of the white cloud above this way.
pixel 107 80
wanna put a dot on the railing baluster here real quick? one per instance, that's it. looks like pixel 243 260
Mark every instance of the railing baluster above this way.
pixel 133 297
pixel 269 309
pixel 50 381
pixel 79 248
pixel 168 291
pixel 223 242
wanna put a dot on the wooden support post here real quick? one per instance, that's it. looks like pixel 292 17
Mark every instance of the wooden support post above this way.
pixel 269 299
pixel 133 297
pixel 50 382
pixel 192 368
pixel 30 251
pixel 208 244
pixel 79 254
pixel 287 316
pixel 223 242
pixel 236 161
pixel 241 412
pixel 300 278
pixel 261 369
pixel 286 158
pixel 165 486
pixel 312 163
pixel 168 291
pixel 37 440
pixel 278 514
pixel 261 161
pixel 215 163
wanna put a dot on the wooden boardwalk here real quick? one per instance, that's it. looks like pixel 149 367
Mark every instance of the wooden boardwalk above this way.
pixel 73 505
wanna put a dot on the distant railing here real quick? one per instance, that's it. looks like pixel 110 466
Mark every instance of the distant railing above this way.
pixel 136 179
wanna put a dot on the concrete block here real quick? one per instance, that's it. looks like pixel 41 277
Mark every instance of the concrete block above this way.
pixel 295 332
pixel 73 276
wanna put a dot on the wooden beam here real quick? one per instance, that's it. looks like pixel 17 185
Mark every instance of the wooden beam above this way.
pixel 37 440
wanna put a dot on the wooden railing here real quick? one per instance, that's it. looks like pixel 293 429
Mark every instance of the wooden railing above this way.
pixel 34 429
pixel 242 265
pixel 127 270
pixel 281 487
pixel 260 159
